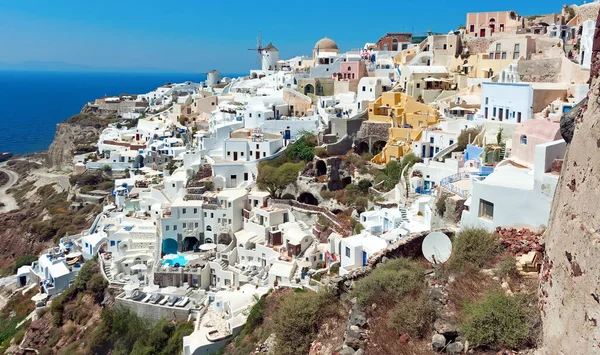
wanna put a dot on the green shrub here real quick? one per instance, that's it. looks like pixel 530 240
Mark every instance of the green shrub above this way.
pixel 297 321
pixel 391 280
pixel 358 228
pixel 321 152
pixel 508 268
pixel 499 321
pixel 440 204
pixel 326 194
pixel 361 203
pixel 363 185
pixel 288 197
pixel 475 247
pixel 255 317
pixel 463 138
pixel 24 260
pixel 412 316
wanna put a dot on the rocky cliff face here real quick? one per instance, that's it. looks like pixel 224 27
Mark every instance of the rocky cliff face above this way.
pixel 77 133
pixel 569 288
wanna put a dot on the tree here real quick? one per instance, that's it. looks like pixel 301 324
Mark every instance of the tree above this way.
pixel 275 180
pixel 499 136
pixel 466 137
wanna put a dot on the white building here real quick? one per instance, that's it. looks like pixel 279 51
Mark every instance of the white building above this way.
pixel 357 249
pixel 586 44
pixel 515 195
pixel 512 102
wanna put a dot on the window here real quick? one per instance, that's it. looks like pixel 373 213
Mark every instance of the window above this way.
pixel 229 204
pixel 431 140
pixel 486 209
pixel 228 153
pixel 212 215
pixel 209 228
pixel 196 224
pixel 242 154
pixel 250 115
pixel 259 115
pixel 516 53
pixel 112 242
pixel 364 88
pixel 257 146
pixel 245 176
pixel 184 210
pixel 167 228
pixel 451 141
pixel 347 252
pixel 418 85
pixel 498 47
pixel 487 100
pixel 503 55
pixel 195 210
pixel 183 225
pixel 174 227
pixel 494 112
pixel 445 46
pixel 524 139
pixel 472 28
pixel 519 117
pixel 204 214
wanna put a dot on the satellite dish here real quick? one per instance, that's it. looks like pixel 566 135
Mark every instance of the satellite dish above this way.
pixel 437 248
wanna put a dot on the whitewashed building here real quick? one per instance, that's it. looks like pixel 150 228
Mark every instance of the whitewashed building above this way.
pixel 511 102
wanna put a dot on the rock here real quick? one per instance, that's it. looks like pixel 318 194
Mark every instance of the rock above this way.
pixel 446 324
pixel 347 351
pixel 454 348
pixel 384 260
pixel 354 328
pixel 354 300
pixel 374 306
pixel 358 318
pixel 355 214
pixel 359 352
pixel 403 338
pixel 438 342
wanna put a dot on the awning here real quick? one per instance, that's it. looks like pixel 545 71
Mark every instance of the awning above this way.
pixel 432 79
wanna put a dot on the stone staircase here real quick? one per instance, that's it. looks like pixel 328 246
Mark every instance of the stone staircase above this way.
pixel 224 264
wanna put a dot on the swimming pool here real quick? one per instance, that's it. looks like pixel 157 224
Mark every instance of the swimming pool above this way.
pixel 180 259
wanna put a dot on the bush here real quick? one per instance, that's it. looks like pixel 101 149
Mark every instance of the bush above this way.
pixel 326 194
pixel 363 185
pixel 391 280
pixel 288 197
pixel 412 316
pixel 361 203
pixel 297 321
pixel 475 247
pixel 440 204
pixel 106 169
pixel 24 260
pixel 255 317
pixel 321 152
pixel 463 138
pixel 499 321
pixel 358 228
pixel 508 268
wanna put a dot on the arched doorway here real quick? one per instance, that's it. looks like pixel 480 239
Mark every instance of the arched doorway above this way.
pixel 362 147
pixel 309 89
pixel 190 243
pixel 321 167
pixel 378 147
pixel 346 181
pixel 169 246
pixel 308 198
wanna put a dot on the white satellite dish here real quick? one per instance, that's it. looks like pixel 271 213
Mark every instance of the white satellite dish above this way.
pixel 437 248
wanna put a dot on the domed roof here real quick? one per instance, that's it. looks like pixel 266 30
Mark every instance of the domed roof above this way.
pixel 326 44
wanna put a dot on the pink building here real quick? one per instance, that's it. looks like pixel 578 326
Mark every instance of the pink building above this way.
pixel 486 24
pixel 528 135
pixel 352 70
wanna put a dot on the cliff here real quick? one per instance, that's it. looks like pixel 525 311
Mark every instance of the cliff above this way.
pixel 76 135
pixel 569 289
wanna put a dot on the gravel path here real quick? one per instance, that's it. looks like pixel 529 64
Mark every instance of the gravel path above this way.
pixel 8 200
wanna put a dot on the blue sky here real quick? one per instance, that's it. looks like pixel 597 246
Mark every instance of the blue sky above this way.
pixel 200 35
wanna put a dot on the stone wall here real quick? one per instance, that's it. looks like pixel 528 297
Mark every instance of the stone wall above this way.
pixel 372 132
pixel 540 70
pixel 569 292
pixel 478 45
pixel 408 247
pixel 340 147
pixel 334 222
pixel 153 312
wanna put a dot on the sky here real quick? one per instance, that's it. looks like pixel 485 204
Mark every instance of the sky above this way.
pixel 199 35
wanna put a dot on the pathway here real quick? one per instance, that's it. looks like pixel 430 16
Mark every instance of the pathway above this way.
pixel 7 199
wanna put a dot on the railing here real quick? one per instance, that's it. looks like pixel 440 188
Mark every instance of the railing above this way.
pixel 446 183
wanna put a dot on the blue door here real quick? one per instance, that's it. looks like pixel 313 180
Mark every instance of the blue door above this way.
pixel 364 258
pixel 430 152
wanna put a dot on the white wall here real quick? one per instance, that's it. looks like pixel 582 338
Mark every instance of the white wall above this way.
pixel 513 98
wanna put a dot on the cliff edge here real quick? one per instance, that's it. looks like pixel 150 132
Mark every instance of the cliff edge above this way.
pixel 569 287
pixel 77 134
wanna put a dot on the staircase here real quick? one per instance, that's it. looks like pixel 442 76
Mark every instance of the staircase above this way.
pixel 224 264
pixel 503 152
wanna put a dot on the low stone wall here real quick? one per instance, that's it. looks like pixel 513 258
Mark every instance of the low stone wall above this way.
pixel 340 147
pixel 334 223
pixel 408 247
pixel 153 312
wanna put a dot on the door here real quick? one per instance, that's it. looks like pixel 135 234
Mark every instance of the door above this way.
pixel 364 258
pixel 501 114
pixel 235 156
pixel 482 32
pixel 423 151
pixel 257 155
pixel 430 152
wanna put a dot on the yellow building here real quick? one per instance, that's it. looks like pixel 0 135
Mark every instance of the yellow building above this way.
pixel 408 118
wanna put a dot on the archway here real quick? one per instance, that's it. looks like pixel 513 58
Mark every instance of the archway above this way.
pixel 309 89
pixel 321 167
pixel 362 147
pixel 346 181
pixel 308 198
pixel 169 246
pixel 378 147
pixel 190 243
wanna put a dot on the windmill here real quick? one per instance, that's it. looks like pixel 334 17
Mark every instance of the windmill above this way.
pixel 259 49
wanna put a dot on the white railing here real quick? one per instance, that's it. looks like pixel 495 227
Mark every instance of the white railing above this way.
pixel 446 183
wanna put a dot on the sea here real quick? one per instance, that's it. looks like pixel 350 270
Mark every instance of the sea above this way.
pixel 32 103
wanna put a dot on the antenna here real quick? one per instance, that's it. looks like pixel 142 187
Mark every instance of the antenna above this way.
pixel 258 49
pixel 437 248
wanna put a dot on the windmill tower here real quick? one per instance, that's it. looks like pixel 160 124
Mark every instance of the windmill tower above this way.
pixel 266 57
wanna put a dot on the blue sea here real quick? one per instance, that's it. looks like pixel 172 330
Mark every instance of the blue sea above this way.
pixel 32 103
